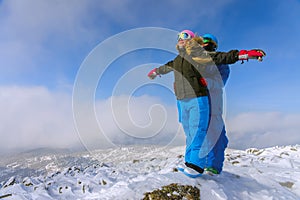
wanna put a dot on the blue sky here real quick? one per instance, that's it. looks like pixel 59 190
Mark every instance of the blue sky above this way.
pixel 44 43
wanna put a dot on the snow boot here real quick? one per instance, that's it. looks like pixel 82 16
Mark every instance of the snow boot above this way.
pixel 190 170
pixel 211 171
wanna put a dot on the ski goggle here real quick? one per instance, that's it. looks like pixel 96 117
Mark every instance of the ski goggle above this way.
pixel 208 40
pixel 183 36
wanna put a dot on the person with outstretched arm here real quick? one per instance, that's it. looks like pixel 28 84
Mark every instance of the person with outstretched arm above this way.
pixel 192 93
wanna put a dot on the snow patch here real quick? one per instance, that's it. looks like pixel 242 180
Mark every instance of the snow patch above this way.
pixel 131 172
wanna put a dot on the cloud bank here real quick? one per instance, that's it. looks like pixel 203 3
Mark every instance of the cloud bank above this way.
pixel 34 117
pixel 263 129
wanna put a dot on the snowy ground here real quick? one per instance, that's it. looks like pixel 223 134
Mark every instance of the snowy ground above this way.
pixel 129 172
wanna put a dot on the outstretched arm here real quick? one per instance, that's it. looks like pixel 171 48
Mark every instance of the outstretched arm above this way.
pixel 199 55
pixel 225 57
pixel 235 55
pixel 168 67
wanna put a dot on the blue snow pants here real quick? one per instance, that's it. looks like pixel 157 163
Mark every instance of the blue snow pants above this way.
pixel 217 136
pixel 194 117
pixel 219 151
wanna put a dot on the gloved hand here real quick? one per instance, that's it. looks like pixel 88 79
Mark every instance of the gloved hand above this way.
pixel 153 73
pixel 252 54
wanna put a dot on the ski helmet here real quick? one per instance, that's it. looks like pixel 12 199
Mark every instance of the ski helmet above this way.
pixel 209 38
pixel 186 34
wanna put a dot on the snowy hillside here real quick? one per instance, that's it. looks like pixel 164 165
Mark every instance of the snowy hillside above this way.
pixel 130 172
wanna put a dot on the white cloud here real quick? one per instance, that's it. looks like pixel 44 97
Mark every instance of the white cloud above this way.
pixel 36 117
pixel 30 29
pixel 137 120
pixel 263 129
pixel 125 120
